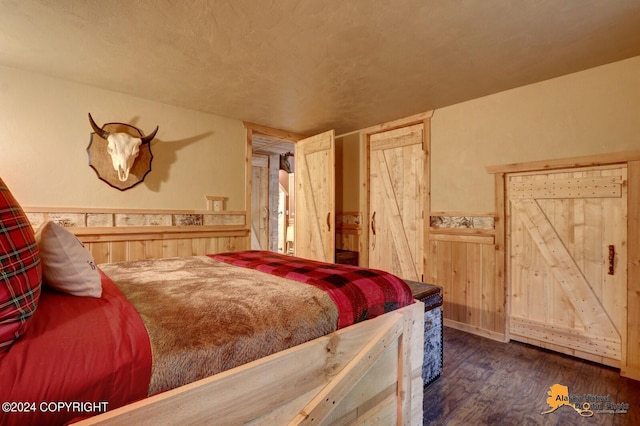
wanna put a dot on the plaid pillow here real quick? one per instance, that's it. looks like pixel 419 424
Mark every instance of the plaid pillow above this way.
pixel 20 271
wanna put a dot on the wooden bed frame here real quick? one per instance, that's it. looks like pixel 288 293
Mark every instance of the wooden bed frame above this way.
pixel 368 373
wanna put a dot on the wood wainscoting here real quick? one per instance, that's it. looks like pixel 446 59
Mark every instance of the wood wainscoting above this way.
pixel 115 235
pixel 462 260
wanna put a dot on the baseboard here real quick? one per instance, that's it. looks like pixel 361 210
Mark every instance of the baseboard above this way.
pixel 630 373
pixel 499 337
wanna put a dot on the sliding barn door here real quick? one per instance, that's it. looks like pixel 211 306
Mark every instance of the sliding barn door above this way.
pixel 260 203
pixel 315 197
pixel 396 207
pixel 567 264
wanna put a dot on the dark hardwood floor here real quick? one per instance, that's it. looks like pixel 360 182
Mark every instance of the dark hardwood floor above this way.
pixel 491 383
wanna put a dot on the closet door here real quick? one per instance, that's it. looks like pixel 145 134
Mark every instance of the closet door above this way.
pixel 315 197
pixel 567 261
pixel 396 186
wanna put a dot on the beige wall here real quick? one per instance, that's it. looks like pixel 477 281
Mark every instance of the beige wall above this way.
pixel 590 112
pixel 44 133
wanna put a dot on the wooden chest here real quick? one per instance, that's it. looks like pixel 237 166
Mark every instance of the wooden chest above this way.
pixel 431 296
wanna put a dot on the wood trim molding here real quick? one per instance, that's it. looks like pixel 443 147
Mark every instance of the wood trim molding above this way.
pixel 461 213
pixel 631 352
pixel 571 162
pixel 100 210
pixel 423 117
pixel 127 219
pixel 147 233
pixel 363 258
pixel 276 133
pixel 498 337
pixel 248 159
pixel 500 272
pixel 463 238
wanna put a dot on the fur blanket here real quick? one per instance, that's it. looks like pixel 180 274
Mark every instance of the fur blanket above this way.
pixel 204 316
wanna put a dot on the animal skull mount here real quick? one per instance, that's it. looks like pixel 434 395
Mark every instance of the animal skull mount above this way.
pixel 120 154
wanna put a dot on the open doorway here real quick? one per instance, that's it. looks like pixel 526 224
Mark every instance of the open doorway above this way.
pixel 272 194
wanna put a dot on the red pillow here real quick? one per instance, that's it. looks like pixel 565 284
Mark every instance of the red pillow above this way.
pixel 20 271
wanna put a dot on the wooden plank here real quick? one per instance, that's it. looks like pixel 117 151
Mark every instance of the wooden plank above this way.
pixel 571 162
pixel 432 272
pixel 575 187
pixel 463 238
pixel 363 198
pixel 270 131
pixel 322 404
pixel 631 360
pixel 498 289
pixel 459 282
pixel 588 307
pixel 492 297
pixel 135 249
pixel 98 210
pixel 246 393
pixel 475 285
pixel 403 122
pixel 483 332
pixel 564 336
pixel 170 248
pixel 444 277
pixel 426 192
pixel 154 233
pixel 463 231
pixel 615 232
pixel 118 251
pixel 391 142
pixel 153 249
pixel 461 213
pixel 183 247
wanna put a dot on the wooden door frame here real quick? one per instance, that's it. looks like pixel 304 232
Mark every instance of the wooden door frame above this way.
pixel 251 130
pixel 630 363
pixel 365 169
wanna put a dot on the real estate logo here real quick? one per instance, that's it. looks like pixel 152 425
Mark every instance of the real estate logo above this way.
pixel 585 405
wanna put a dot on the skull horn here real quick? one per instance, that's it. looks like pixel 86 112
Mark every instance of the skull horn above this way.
pixel 100 132
pixel 150 136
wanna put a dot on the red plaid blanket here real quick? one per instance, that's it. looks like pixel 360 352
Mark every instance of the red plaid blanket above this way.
pixel 359 293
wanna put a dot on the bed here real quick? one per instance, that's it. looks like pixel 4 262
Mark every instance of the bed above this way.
pixel 328 349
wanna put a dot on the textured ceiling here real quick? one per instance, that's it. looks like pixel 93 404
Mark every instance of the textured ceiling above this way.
pixel 311 65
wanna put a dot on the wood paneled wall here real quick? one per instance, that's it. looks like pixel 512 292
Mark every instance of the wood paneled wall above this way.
pixel 461 259
pixel 120 235
pixel 147 244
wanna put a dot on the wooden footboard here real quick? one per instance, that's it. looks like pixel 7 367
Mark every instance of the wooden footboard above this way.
pixel 369 373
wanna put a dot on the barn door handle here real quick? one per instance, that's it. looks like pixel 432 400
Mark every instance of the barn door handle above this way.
pixel 329 221
pixel 373 224
pixel 373 230
pixel 612 258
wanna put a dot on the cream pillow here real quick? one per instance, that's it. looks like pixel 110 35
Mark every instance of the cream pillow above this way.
pixel 67 266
